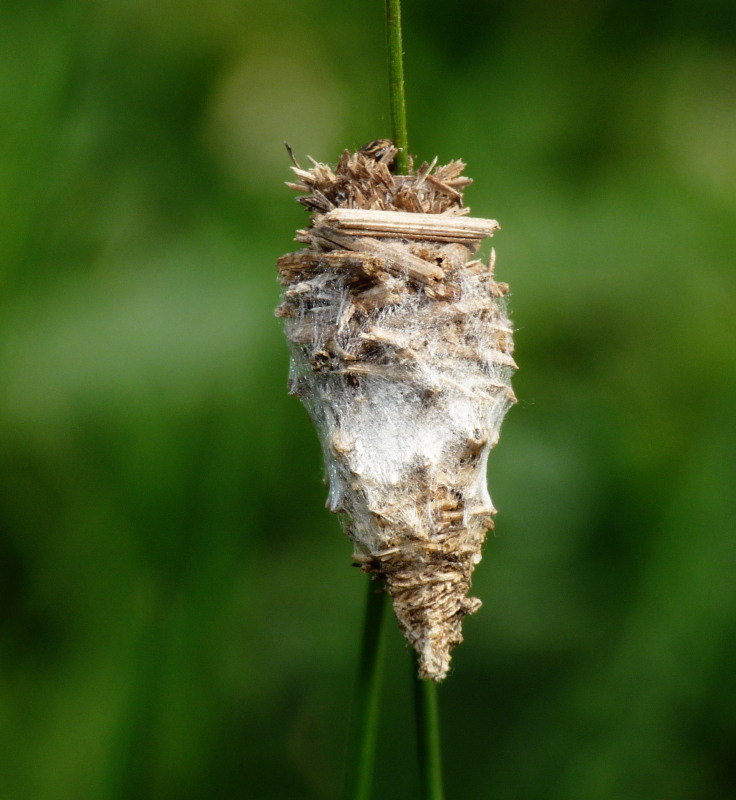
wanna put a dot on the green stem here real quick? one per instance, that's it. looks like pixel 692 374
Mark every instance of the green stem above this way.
pixel 367 697
pixel 396 84
pixel 428 736
pixel 425 692
pixel 370 672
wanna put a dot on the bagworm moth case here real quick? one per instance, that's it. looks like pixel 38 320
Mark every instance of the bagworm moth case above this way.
pixel 401 350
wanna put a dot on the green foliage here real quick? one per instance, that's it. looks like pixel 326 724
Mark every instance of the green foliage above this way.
pixel 179 618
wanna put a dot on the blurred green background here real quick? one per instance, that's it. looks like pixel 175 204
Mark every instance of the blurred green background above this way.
pixel 178 615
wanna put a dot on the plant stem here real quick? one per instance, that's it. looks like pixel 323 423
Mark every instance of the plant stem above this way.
pixel 396 84
pixel 367 697
pixel 370 671
pixel 425 692
pixel 428 736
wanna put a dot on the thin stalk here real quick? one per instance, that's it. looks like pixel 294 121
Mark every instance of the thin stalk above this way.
pixel 428 736
pixel 370 671
pixel 396 84
pixel 425 692
pixel 367 697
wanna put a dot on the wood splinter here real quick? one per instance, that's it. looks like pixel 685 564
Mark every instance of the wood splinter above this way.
pixel 401 351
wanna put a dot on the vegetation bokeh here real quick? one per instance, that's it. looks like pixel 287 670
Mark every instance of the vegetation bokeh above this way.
pixel 179 619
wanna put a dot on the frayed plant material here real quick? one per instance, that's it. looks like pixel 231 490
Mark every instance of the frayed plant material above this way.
pixel 401 350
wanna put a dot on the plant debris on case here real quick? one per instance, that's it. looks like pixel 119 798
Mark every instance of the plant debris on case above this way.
pixel 401 350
